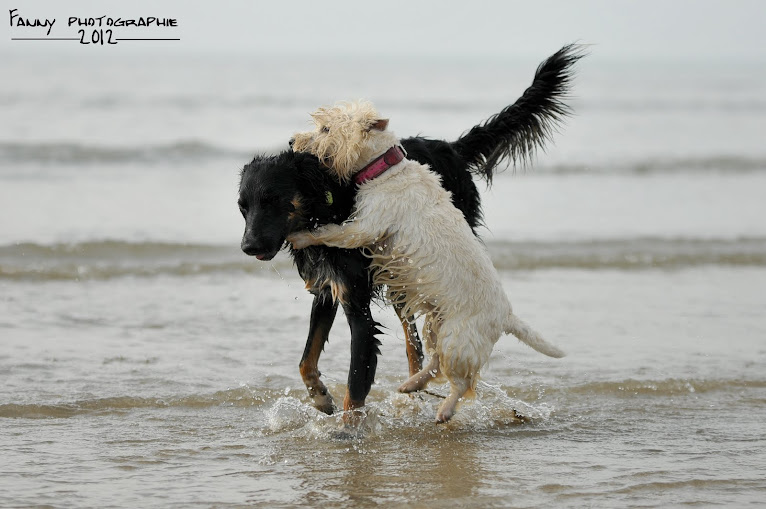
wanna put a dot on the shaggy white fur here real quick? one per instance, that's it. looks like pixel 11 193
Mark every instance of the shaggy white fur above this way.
pixel 421 248
pixel 343 136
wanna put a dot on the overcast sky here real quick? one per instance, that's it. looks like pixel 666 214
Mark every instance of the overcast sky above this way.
pixel 647 29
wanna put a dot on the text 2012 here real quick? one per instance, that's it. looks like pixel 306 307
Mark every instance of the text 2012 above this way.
pixel 101 37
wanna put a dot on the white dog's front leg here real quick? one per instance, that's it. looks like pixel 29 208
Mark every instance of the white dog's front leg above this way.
pixel 346 236
pixel 302 240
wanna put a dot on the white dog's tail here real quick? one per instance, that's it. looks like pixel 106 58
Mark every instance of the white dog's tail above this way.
pixel 531 337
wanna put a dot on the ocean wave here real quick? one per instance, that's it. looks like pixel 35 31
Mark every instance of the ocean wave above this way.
pixel 629 254
pixel 631 388
pixel 664 387
pixel 172 103
pixel 725 164
pixel 290 410
pixel 674 104
pixel 114 258
pixel 84 155
pixel 477 104
pixel 68 153
pixel 241 396
pixel 102 260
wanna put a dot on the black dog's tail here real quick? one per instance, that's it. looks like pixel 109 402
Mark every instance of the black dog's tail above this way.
pixel 519 129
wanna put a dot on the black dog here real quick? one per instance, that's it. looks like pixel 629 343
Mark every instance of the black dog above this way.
pixel 290 192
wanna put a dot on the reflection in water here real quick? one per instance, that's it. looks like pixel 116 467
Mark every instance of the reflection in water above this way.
pixel 426 464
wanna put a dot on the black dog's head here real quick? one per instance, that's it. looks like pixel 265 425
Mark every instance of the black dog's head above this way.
pixel 268 198
pixel 285 193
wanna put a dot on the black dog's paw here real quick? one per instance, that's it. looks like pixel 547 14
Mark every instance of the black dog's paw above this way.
pixel 325 404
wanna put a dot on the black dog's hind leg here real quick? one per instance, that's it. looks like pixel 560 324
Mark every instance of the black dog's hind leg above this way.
pixel 412 339
pixel 323 312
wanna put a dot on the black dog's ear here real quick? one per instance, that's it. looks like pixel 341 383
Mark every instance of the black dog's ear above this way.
pixel 292 140
pixel 305 162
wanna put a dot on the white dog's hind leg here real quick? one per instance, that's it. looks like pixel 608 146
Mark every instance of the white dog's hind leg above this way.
pixel 420 379
pixel 458 388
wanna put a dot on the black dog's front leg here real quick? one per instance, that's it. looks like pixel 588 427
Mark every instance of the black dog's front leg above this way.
pixel 323 311
pixel 364 352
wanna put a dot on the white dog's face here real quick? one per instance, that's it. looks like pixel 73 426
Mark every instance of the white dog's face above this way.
pixel 347 137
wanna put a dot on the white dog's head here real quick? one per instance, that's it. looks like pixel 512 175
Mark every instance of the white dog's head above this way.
pixel 347 137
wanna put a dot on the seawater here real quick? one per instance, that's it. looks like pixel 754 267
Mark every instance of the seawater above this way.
pixel 146 362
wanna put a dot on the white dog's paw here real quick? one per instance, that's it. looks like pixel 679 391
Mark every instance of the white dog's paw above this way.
pixel 447 409
pixel 301 240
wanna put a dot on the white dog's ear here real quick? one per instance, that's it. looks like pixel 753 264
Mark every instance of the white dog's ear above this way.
pixel 380 124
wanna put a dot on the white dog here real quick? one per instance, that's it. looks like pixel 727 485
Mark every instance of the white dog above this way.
pixel 420 247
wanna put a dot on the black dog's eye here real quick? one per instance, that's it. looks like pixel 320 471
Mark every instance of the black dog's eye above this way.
pixel 270 203
pixel 242 208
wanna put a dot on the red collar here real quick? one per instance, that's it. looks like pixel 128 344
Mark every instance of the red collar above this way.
pixel 393 156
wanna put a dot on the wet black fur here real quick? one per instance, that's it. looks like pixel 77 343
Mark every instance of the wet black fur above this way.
pixel 520 129
pixel 271 186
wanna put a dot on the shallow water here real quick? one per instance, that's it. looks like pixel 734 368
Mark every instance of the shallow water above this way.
pixel 146 362
pixel 193 397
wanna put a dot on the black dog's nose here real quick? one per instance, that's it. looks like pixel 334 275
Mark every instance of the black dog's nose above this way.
pixel 254 246
pixel 250 247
